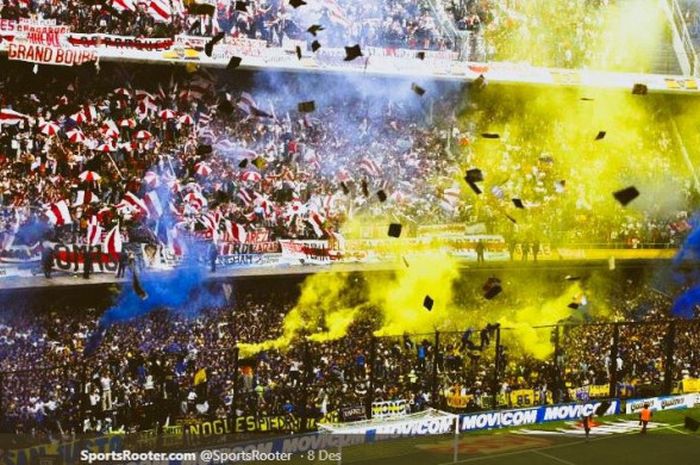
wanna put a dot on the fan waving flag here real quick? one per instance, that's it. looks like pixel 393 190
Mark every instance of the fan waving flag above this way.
pixel 59 214
pixel 200 377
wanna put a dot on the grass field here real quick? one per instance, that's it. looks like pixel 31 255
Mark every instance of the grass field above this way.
pixel 669 444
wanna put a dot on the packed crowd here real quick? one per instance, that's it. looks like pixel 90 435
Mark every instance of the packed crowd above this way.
pixel 539 33
pixel 389 23
pixel 185 157
pixel 148 371
pixel 197 153
pixel 690 10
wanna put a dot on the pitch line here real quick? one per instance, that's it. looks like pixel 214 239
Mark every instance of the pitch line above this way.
pixel 556 446
pixel 553 457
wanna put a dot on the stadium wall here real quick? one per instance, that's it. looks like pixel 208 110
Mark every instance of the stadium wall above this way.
pixel 531 416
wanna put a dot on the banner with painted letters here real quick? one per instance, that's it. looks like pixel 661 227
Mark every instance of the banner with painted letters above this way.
pixel 308 252
pixel 390 408
pixel 48 55
pixel 661 403
pixel 531 416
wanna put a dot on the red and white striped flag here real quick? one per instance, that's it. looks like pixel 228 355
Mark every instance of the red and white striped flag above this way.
pixel 113 242
pixel 210 222
pixel 248 99
pixel 201 86
pixel 94 231
pixel 160 10
pixel 316 221
pixel 245 196
pixel 85 197
pixel 196 200
pixel 136 202
pixel 152 201
pixel 59 214
pixel 235 232
pixel 141 94
pixel 123 5
pixel 8 116
pixel 175 243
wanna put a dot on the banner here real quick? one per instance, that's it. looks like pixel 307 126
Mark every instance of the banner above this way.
pixel 523 397
pixel 661 403
pixel 118 42
pixel 390 409
pixel 71 258
pixel 225 49
pixel 311 252
pixel 690 385
pixel 598 391
pixel 42 35
pixel 49 55
pixel 410 54
pixel 436 425
pixel 249 424
pixel 353 413
pixel 531 416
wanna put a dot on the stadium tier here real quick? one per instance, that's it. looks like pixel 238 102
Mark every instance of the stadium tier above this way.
pixel 359 232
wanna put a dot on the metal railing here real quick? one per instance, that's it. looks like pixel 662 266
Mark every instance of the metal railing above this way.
pixel 687 54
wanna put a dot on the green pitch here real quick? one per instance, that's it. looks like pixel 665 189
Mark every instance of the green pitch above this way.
pixel 665 445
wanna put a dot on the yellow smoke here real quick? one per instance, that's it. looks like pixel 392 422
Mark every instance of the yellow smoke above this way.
pixel 534 124
pixel 537 125
pixel 576 33
pixel 331 303
pixel 401 297
pixel 524 337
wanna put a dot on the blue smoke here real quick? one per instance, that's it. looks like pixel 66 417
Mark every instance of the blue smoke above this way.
pixel 687 274
pixel 33 231
pixel 184 290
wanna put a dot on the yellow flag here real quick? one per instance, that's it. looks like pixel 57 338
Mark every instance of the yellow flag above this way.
pixel 200 377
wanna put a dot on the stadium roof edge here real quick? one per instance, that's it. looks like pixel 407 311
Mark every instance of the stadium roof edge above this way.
pixel 562 78
pixel 450 71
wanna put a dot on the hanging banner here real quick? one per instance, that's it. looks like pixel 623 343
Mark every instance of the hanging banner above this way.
pixel 48 55
pixel 661 403
pixel 118 42
pixel 390 409
pixel 312 252
pixel 691 385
